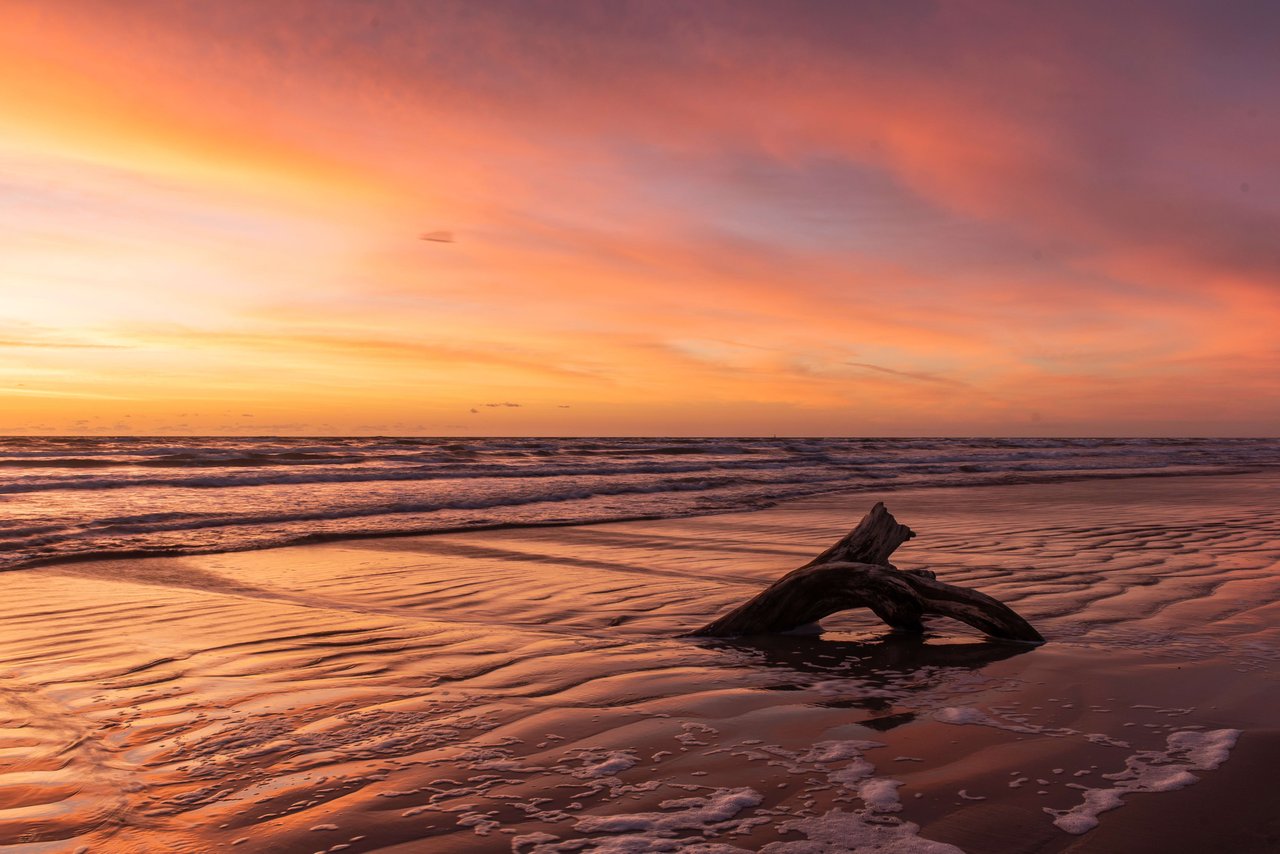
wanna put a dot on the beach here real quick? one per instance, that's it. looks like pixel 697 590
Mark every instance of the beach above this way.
pixel 528 689
pixel 453 427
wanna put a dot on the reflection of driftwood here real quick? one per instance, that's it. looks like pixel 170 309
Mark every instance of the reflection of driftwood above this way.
pixel 856 573
pixel 885 669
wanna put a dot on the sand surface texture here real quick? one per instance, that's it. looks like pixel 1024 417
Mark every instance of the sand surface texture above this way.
pixel 526 689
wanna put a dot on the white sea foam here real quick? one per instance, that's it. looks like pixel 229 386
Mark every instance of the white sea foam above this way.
pixel 837 751
pixel 840 832
pixel 1151 771
pixel 881 795
pixel 611 763
pixel 969 715
pixel 697 813
pixel 163 496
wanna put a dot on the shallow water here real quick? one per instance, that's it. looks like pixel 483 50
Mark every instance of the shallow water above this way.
pixel 526 689
pixel 82 497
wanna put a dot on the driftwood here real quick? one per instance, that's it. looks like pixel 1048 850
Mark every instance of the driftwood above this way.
pixel 856 573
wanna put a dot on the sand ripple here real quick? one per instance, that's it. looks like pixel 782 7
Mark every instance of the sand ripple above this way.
pixel 525 690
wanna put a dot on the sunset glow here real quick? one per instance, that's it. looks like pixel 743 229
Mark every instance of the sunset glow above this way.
pixel 676 219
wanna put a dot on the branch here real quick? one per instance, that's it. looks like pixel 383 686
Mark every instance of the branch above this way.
pixel 856 573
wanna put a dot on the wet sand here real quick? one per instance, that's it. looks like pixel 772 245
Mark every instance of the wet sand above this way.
pixel 526 689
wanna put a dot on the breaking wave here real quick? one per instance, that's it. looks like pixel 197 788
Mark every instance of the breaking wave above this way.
pixel 67 498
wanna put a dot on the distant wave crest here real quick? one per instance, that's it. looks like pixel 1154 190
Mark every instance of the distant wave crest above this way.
pixel 71 498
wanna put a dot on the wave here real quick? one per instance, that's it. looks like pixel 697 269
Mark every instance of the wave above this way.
pixel 337 476
pixel 67 497
pixel 258 532
pixel 256 471
pixel 85 552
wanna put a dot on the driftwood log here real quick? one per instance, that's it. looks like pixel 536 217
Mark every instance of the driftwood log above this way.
pixel 856 573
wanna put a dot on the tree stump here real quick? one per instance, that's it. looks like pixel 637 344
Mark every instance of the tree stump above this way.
pixel 856 573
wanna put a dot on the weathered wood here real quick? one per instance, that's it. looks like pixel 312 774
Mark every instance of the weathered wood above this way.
pixel 876 537
pixel 856 573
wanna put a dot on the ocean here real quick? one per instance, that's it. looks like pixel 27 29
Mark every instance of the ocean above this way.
pixel 75 498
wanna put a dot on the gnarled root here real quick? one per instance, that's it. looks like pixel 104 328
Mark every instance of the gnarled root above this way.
pixel 856 573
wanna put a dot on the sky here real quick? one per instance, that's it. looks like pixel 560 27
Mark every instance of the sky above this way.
pixel 666 218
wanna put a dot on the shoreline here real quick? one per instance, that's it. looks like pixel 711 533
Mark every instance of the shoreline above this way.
pixel 1002 480
pixel 393 693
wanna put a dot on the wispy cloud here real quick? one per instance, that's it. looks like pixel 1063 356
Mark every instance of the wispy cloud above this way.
pixel 910 375
pixel 45 392
pixel 760 209
pixel 56 345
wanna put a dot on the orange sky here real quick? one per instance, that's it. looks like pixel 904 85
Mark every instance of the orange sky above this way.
pixel 670 218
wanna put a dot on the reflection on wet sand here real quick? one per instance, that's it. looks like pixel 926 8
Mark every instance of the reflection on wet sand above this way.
pixel 528 689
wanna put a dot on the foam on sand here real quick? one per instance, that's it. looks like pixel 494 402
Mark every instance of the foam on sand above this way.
pixel 881 795
pixel 679 814
pixel 1151 771
pixel 683 824
pixel 839 832
pixel 608 765
pixel 961 715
